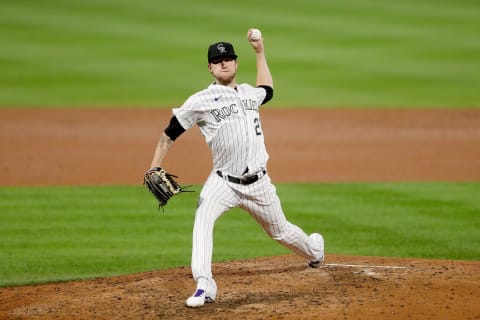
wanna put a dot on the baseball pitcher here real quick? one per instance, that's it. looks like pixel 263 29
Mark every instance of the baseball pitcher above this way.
pixel 228 115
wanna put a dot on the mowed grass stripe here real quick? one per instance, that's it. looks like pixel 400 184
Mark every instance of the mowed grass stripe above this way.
pixel 328 53
pixel 63 233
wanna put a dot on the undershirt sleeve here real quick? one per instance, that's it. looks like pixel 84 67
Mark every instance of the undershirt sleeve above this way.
pixel 269 95
pixel 174 129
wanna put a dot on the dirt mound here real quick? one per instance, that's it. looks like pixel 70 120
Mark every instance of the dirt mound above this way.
pixel 281 287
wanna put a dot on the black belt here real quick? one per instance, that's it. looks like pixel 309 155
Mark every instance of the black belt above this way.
pixel 246 180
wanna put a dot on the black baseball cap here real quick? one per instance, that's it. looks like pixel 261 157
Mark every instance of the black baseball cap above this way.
pixel 221 49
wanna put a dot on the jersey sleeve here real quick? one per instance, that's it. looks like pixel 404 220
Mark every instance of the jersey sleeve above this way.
pixel 263 94
pixel 268 93
pixel 174 129
pixel 187 114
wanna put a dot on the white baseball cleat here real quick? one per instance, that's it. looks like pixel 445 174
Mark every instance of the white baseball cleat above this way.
pixel 316 263
pixel 198 299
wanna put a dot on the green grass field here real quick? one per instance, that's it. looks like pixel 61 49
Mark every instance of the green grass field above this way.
pixel 322 53
pixel 65 233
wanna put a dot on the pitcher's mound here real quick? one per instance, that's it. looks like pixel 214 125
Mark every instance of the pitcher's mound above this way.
pixel 283 287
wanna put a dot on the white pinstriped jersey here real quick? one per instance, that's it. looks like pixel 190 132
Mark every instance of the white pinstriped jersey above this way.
pixel 229 119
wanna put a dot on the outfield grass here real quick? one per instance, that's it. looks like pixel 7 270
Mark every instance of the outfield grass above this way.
pixel 65 233
pixel 389 53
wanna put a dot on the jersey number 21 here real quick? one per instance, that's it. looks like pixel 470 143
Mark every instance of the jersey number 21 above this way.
pixel 258 131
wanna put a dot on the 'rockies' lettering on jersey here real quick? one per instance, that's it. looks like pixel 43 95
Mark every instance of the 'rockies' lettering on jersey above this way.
pixel 250 104
pixel 230 122
pixel 224 112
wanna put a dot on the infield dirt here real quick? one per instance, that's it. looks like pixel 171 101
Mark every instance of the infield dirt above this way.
pixel 40 147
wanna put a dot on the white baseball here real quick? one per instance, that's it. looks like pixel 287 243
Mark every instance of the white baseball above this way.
pixel 255 35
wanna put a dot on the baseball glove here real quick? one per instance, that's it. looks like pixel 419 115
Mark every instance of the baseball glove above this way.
pixel 161 184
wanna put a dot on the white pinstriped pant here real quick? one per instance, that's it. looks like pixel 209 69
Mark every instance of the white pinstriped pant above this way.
pixel 261 201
